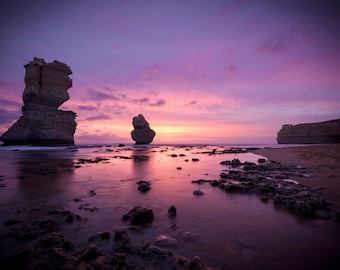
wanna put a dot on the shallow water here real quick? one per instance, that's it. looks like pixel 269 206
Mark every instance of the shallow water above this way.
pixel 235 231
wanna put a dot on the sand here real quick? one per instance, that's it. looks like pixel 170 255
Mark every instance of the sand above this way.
pixel 323 159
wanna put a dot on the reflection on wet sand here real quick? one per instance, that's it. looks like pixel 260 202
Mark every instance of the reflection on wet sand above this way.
pixel 43 172
pixel 141 165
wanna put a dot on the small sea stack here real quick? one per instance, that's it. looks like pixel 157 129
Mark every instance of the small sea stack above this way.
pixel 42 123
pixel 142 133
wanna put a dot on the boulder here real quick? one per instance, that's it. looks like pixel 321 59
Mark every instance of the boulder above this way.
pixel 172 211
pixel 42 123
pixel 142 133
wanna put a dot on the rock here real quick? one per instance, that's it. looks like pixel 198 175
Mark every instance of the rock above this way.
pixel 139 216
pixel 165 241
pixel 201 181
pixel 234 163
pixel 88 207
pixel 322 214
pixel 144 186
pixel 172 211
pixel 261 160
pixel 42 123
pixel 105 235
pixel 92 193
pixel 142 133
pixel 320 132
pixel 198 192
pixel 91 253
pixel 196 264
pixel 11 222
pixel 264 198
pixel 122 241
pixel 188 236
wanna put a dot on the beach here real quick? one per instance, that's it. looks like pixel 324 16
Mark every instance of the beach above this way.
pixel 324 160
pixel 202 207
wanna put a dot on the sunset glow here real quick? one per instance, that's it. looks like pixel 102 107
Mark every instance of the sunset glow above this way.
pixel 228 71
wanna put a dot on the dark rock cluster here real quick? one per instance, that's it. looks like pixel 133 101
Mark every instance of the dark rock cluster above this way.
pixel 271 181
pixel 166 259
pixel 44 245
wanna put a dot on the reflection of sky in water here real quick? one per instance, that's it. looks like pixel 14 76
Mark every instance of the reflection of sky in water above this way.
pixel 232 229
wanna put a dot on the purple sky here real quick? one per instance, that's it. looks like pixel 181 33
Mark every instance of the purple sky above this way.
pixel 199 71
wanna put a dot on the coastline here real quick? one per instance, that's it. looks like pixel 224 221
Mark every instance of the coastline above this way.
pixel 322 159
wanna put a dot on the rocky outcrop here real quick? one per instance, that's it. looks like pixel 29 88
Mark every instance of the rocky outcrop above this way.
pixel 273 181
pixel 142 133
pixel 42 123
pixel 321 132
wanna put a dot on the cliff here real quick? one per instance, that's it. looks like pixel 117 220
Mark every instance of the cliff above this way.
pixel 310 133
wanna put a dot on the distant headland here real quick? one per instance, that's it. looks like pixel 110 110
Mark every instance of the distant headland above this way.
pixel 310 133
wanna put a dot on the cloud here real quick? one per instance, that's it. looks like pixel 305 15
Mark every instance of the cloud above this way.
pixel 194 102
pixel 98 137
pixel 98 117
pixel 101 95
pixel 87 108
pixel 7 102
pixel 141 100
pixel 274 44
pixel 230 70
pixel 7 117
pixel 158 103
pixel 235 4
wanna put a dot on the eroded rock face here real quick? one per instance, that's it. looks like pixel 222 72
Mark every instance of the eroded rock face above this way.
pixel 42 123
pixel 46 83
pixel 142 133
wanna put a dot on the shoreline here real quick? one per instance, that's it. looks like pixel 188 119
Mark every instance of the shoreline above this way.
pixel 322 159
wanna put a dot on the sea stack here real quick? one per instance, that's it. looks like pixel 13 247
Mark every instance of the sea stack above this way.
pixel 42 123
pixel 310 133
pixel 142 133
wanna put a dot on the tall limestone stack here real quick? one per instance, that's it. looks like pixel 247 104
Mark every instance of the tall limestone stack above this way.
pixel 42 123
pixel 142 133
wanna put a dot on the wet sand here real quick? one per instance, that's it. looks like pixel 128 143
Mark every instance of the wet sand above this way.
pixel 324 161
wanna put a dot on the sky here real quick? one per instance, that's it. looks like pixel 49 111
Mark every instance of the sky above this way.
pixel 224 72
